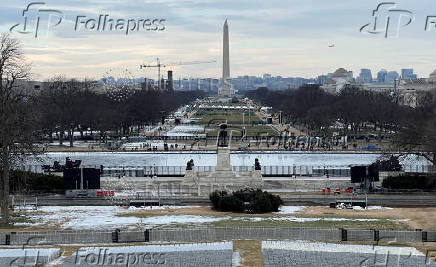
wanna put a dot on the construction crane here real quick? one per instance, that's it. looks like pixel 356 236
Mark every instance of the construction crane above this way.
pixel 159 65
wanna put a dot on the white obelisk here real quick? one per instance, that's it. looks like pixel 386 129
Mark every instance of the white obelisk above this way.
pixel 226 88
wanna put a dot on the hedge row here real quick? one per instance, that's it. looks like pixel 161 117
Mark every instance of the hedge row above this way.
pixel 410 182
pixel 23 181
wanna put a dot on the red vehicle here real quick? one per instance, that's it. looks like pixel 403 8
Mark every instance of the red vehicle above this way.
pixel 105 193
pixel 328 190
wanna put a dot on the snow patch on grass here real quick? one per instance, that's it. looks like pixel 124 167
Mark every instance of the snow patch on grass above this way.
pixel 290 209
pixel 105 217
pixel 372 208
pixel 162 207
pixel 302 219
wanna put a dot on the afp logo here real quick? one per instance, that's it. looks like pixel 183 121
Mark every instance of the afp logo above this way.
pixel 388 20
pixel 33 15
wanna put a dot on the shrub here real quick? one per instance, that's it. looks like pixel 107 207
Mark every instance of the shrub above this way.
pixel 245 200
pixel 22 181
pixel 215 198
pixel 262 202
pixel 410 182
pixel 244 195
pixel 231 203
pixel 276 202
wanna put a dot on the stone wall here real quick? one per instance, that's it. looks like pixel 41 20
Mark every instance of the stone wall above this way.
pixel 175 186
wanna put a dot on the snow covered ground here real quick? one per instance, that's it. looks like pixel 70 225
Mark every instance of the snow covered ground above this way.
pixel 109 217
pixel 105 217
pixel 81 144
pixel 300 253
pixel 302 219
pixel 196 254
pixel 28 252
pixel 143 145
pixel 372 208
pixel 186 130
pixel 28 257
pixel 162 207
pixel 290 209
pixel 160 248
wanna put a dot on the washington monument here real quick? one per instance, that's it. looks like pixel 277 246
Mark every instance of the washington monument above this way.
pixel 226 88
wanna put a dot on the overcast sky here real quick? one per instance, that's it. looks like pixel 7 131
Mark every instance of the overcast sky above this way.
pixel 281 37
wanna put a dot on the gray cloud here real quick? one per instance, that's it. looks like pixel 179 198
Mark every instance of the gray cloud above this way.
pixel 281 37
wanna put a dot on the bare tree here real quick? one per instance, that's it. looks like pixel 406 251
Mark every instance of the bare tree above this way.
pixel 64 102
pixel 419 136
pixel 15 115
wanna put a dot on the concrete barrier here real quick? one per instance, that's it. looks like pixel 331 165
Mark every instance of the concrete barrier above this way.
pixel 260 233
pixel 3 238
pixel 360 235
pixel 60 237
pixel 431 236
pixel 133 236
pixel 400 236
pixel 214 234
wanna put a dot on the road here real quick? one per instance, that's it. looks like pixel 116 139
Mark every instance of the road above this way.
pixel 392 200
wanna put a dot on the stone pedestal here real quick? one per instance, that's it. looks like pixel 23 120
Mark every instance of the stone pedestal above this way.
pixel 223 176
pixel 191 177
pixel 223 172
pixel 223 159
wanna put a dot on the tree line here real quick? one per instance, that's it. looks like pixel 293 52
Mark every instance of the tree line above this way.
pixel 68 105
pixel 356 111
pixel 65 105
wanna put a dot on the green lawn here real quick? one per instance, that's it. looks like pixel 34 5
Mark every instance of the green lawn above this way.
pixel 269 220
pixel 232 117
pixel 379 224
pixel 257 130
pixel 13 219
pixel 253 124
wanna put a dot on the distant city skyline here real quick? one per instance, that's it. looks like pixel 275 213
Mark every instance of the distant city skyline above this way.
pixel 284 38
pixel 278 82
